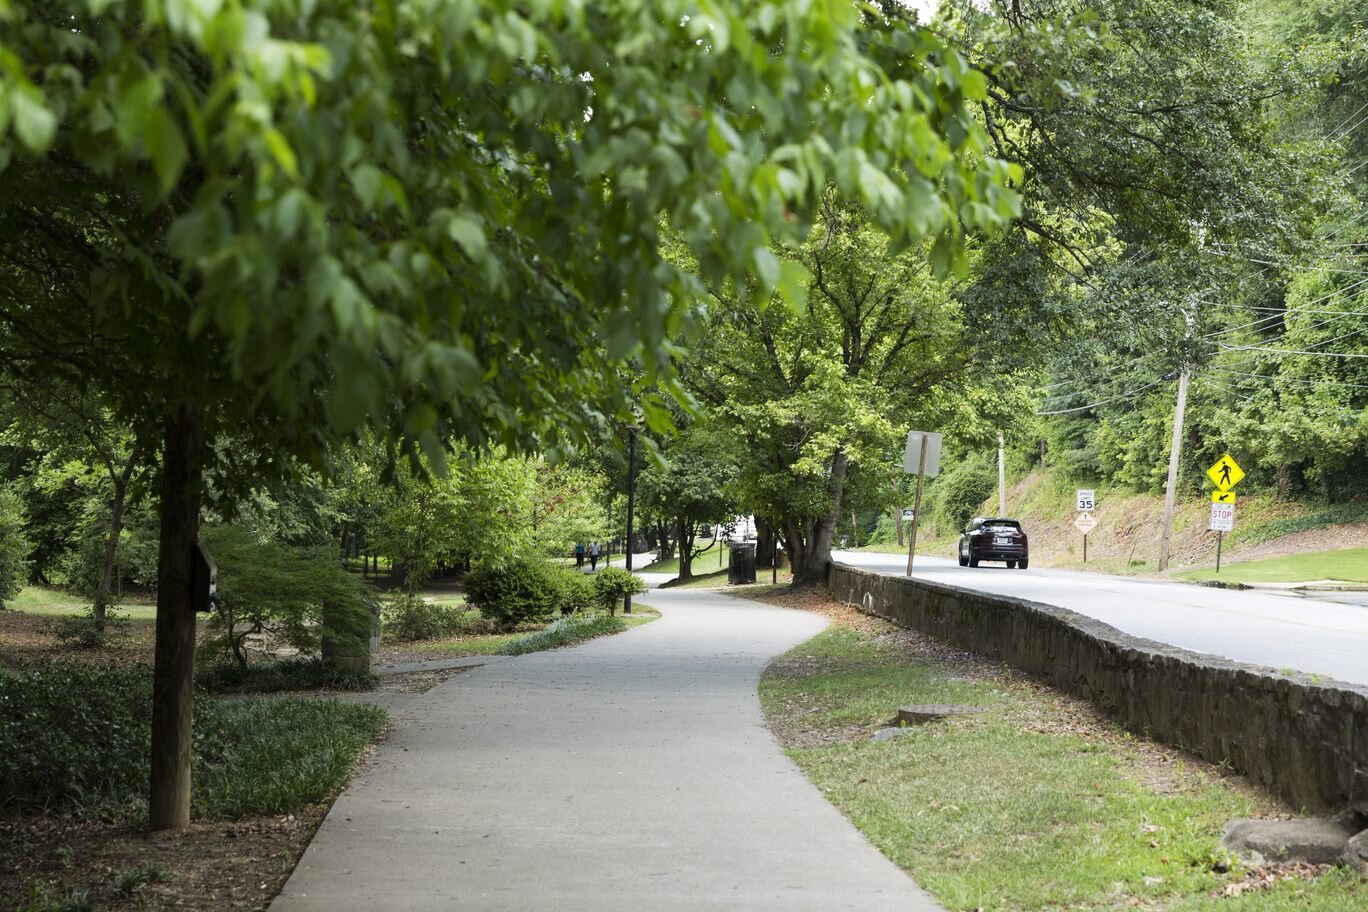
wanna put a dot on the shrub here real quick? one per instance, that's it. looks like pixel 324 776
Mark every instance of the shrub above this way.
pixel 14 546
pixel 519 592
pixel 613 584
pixel 297 595
pixel 83 632
pixel 571 591
pixel 562 632
pixel 410 618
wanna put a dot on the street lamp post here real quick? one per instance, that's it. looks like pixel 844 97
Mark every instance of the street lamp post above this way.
pixel 631 498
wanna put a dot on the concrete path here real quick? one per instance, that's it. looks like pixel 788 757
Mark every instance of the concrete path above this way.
pixel 633 772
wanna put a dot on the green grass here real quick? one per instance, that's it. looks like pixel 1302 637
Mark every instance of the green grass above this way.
pixel 273 756
pixel 60 603
pixel 999 812
pixel 1348 564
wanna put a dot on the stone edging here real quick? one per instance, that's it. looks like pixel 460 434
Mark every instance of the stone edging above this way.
pixel 1303 737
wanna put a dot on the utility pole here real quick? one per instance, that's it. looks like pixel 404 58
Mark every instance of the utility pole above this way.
pixel 631 498
pixel 1175 447
pixel 1002 479
pixel 1171 492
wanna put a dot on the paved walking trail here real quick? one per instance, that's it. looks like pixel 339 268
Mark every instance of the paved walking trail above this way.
pixel 633 772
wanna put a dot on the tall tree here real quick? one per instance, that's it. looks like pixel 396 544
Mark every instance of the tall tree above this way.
pixel 817 394
pixel 298 220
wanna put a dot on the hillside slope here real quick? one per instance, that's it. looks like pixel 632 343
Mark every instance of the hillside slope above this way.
pixel 1126 539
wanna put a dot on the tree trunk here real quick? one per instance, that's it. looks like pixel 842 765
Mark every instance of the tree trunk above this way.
pixel 111 549
pixel 764 543
pixel 174 678
pixel 684 538
pixel 816 547
pixel 897 511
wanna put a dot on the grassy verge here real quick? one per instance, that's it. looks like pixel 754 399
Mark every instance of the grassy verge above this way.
pixel 296 673
pixel 1034 804
pixel 1347 564
pixel 50 602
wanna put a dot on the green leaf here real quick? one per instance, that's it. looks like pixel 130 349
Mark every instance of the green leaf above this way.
pixel 793 284
pixel 34 123
pixel 165 144
pixel 281 153
pixel 465 229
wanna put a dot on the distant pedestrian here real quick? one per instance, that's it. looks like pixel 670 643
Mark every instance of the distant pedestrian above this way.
pixel 593 556
pixel 579 554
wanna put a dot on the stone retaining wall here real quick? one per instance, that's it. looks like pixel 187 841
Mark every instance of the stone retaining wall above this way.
pixel 1304 738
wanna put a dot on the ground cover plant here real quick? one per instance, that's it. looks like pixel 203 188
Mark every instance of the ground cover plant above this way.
pixel 74 768
pixel 1036 803
pixel 75 737
pixel 573 628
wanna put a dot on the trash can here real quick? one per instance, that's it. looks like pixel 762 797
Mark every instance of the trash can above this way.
pixel 741 568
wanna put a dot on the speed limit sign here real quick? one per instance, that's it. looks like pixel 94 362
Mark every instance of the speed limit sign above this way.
pixel 1086 501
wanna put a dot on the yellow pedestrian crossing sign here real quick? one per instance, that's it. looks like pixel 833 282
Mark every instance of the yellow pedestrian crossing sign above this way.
pixel 1226 473
pixel 1227 497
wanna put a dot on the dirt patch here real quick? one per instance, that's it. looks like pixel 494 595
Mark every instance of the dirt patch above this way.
pixel 239 865
pixel 26 638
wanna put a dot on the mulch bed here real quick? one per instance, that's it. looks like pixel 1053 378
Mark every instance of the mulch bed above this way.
pixel 238 865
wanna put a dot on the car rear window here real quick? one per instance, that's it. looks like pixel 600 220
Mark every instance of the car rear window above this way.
pixel 1002 524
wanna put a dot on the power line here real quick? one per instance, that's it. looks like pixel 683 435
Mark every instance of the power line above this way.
pixel 1289 351
pixel 1282 379
pixel 1126 395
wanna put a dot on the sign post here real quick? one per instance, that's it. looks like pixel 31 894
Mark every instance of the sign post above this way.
pixel 1225 474
pixel 923 451
pixel 1085 524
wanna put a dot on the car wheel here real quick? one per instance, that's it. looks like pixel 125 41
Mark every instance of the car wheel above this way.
pixel 963 561
pixel 1022 564
pixel 1011 565
pixel 973 561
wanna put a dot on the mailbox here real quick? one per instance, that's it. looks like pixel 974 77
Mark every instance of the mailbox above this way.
pixel 204 580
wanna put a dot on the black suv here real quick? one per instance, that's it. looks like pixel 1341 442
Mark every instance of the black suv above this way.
pixel 995 540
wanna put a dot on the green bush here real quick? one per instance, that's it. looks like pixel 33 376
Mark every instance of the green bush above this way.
pixel 296 595
pixel 72 736
pixel 14 546
pixel 83 632
pixel 411 618
pixel 519 592
pixel 613 584
pixel 564 631
pixel 571 591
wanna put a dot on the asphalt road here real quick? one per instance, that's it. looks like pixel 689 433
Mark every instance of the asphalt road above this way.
pixel 1279 631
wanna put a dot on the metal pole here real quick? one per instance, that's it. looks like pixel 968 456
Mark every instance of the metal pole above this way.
pixel 916 506
pixel 631 502
pixel 1219 536
pixel 774 560
pixel 1085 547
pixel 1171 492
pixel 1002 480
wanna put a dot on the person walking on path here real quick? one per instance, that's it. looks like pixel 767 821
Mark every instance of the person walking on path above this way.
pixel 579 554
pixel 527 784
pixel 593 556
